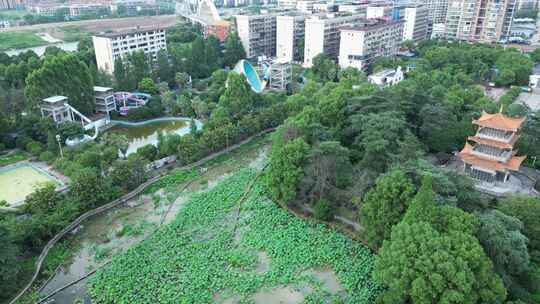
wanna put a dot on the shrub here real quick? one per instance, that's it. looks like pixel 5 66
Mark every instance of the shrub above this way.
pixel 148 152
pixel 323 210
pixel 46 156
pixel 34 148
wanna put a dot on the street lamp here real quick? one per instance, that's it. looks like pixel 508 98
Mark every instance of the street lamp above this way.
pixel 59 139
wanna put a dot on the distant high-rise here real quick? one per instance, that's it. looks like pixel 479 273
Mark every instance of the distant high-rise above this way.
pixel 289 37
pixel 258 34
pixel 11 4
pixel 323 35
pixel 485 21
pixel 416 23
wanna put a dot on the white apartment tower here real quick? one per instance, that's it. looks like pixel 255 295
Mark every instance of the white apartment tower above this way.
pixel 361 45
pixel 111 46
pixel 290 34
pixel 322 35
pixel 379 11
pixel 258 34
pixel 415 27
pixel 479 20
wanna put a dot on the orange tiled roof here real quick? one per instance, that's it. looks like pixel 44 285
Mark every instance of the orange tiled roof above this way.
pixel 512 164
pixel 499 121
pixel 494 143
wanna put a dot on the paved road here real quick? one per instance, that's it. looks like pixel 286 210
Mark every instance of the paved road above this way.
pixel 103 24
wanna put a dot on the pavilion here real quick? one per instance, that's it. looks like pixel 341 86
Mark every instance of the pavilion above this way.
pixel 490 155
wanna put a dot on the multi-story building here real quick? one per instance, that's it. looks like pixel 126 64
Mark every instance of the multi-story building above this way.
pixel 526 5
pixel 437 10
pixel 415 27
pixel 69 9
pixel 290 35
pixel 258 34
pixel 105 101
pixel 353 8
pixel 4 24
pixel 361 44
pixel 11 4
pixel 322 35
pixel 305 6
pixel 485 21
pixel 287 3
pixel 111 46
pixel 491 158
pixel 379 11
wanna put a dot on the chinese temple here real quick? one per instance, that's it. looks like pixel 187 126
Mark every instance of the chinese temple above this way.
pixel 489 155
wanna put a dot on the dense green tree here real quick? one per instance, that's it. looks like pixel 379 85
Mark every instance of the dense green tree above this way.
pixel 527 210
pixel 285 169
pixel 10 267
pixel 384 206
pixel 439 128
pixel 147 85
pixel 148 152
pixel 234 50
pixel 91 189
pixel 164 71
pixel 238 98
pixel 62 75
pixel 129 174
pixel 181 79
pixel 421 265
pixel 324 68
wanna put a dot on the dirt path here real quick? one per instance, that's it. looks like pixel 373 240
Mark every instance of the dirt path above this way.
pixel 103 24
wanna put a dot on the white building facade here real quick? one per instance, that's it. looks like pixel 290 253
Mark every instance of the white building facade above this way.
pixel 258 34
pixel 361 45
pixel 290 35
pixel 109 47
pixel 415 27
pixel 323 36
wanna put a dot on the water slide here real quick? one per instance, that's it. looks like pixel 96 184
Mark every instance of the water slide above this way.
pixel 89 123
pixel 245 68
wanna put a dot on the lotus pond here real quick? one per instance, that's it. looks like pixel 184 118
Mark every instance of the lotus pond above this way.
pixel 211 253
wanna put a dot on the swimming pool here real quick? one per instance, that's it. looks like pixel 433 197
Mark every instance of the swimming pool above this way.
pixel 17 181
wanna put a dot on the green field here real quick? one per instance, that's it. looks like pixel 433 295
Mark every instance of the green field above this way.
pixel 268 256
pixel 12 158
pixel 12 15
pixel 19 40
pixel 16 183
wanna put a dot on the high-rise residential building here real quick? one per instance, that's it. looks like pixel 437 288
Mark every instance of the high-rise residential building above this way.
pixel 485 21
pixel 379 11
pixel 290 35
pixel 437 9
pixel 287 3
pixel 258 34
pixel 526 5
pixel 11 4
pixel 111 46
pixel 360 45
pixel 322 35
pixel 305 6
pixel 415 27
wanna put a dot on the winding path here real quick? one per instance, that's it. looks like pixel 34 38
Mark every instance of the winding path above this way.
pixel 120 201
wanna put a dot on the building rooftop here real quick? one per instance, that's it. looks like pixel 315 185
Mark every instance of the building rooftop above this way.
pixel 512 164
pixel 494 143
pixel 370 26
pixel 102 89
pixel 499 121
pixel 384 73
pixel 129 32
pixel 55 99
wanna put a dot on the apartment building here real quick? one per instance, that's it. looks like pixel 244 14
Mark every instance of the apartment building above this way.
pixel 304 6
pixel 526 5
pixel 353 8
pixel 322 35
pixel 415 27
pixel 111 46
pixel 290 34
pixel 361 44
pixel 485 21
pixel 379 11
pixel 69 8
pixel 258 34
pixel 11 4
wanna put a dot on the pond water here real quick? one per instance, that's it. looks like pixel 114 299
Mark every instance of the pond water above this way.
pixel 142 135
pixel 40 50
pixel 18 181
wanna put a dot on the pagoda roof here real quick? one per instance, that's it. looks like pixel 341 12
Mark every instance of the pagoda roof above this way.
pixel 512 164
pixel 499 121
pixel 494 143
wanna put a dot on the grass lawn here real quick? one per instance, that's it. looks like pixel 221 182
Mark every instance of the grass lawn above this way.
pixel 12 15
pixel 19 40
pixel 12 158
pixel 212 254
pixel 73 33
